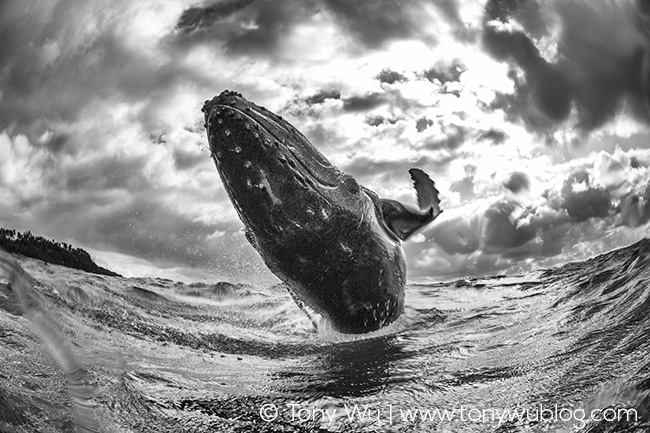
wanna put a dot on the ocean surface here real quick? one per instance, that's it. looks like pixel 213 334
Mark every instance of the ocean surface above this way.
pixel 559 350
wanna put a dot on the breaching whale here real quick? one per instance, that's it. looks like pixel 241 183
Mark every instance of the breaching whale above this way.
pixel 335 243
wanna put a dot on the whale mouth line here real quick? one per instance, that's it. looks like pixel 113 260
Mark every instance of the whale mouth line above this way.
pixel 297 157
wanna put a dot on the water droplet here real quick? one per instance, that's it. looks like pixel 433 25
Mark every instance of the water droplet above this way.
pixel 220 121
pixel 227 132
pixel 237 149
pixel 247 164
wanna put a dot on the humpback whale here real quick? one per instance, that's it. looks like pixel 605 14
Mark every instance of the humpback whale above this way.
pixel 335 243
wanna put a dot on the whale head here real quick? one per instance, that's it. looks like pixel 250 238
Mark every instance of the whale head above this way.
pixel 274 176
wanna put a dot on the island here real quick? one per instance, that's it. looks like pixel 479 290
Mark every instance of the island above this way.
pixel 50 251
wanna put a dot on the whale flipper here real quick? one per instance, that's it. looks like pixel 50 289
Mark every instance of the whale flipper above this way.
pixel 426 191
pixel 404 222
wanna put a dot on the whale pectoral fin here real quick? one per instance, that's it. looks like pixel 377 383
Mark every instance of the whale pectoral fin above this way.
pixel 426 191
pixel 404 222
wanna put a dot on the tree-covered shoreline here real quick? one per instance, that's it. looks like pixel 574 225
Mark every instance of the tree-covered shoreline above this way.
pixel 51 251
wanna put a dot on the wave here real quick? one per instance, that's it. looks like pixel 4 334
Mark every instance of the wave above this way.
pixel 159 355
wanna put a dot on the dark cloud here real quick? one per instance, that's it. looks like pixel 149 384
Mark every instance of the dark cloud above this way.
pixel 544 84
pixel 380 120
pixel 423 123
pixel 502 232
pixel 57 142
pixel 102 174
pixel 186 160
pixel 220 23
pixel 494 135
pixel 364 103
pixel 147 228
pixel 375 120
pixel 322 96
pixel 634 210
pixel 389 76
pixel 445 73
pixel 495 231
pixel 457 236
pixel 526 12
pixel 49 81
pixel 595 73
pixel 272 21
pixel 518 181
pixel 201 17
pixel 375 22
pixel 449 8
pixel 582 201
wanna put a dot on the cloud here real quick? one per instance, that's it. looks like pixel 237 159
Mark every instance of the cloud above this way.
pixel 582 214
pixel 596 73
pixel 544 85
pixel 104 173
pixel 322 96
pixel 365 102
pixel 55 76
pixel 494 135
pixel 635 209
pixel 187 159
pixel 502 231
pixel 581 200
pixel 422 123
pixel 380 120
pixel 445 73
pixel 247 27
pixel 195 17
pixel 389 76
pixel 377 22
pixel 518 181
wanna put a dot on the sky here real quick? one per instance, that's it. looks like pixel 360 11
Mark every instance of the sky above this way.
pixel 532 117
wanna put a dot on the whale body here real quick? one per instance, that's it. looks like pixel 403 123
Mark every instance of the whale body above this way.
pixel 335 243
